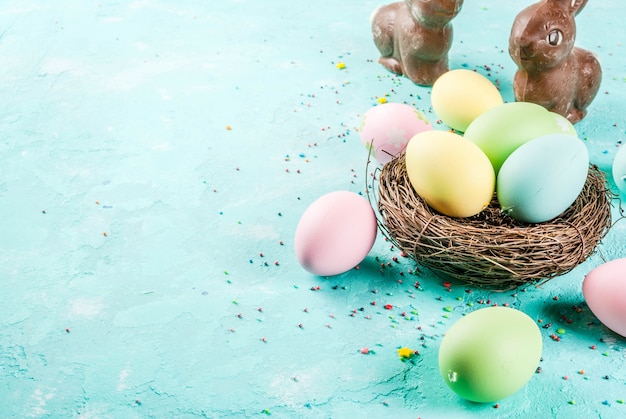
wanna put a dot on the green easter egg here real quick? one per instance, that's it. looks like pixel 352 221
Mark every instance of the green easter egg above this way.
pixel 490 354
pixel 500 130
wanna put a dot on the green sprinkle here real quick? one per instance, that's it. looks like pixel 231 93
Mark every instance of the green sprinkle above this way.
pixel 605 353
pixel 235 302
pixel 448 309
pixel 471 304
pixel 572 402
pixel 560 331
pixel 459 298
pixel 620 401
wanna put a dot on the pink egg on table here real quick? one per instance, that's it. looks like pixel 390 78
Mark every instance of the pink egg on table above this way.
pixel 386 129
pixel 604 289
pixel 335 233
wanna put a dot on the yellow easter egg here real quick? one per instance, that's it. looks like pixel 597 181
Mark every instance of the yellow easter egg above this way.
pixel 459 96
pixel 452 175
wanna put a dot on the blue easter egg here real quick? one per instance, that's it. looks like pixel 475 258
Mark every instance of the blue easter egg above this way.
pixel 619 169
pixel 542 178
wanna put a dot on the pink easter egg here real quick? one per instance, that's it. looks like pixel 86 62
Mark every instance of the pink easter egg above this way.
pixel 335 233
pixel 386 129
pixel 604 289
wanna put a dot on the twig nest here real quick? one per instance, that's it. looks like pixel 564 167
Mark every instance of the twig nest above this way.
pixel 490 249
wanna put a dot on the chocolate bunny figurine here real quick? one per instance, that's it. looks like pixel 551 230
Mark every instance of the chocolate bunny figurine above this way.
pixel 414 37
pixel 551 71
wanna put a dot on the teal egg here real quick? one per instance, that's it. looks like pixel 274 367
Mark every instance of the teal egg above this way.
pixel 542 178
pixel 490 354
pixel 619 169
pixel 502 129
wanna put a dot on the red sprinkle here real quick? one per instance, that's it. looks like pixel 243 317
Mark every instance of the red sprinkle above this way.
pixel 388 306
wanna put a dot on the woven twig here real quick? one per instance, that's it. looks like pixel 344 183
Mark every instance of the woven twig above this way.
pixel 490 249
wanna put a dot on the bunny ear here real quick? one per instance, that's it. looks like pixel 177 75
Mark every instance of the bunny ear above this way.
pixel 573 6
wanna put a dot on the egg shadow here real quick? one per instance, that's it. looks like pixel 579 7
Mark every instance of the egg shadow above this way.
pixel 575 316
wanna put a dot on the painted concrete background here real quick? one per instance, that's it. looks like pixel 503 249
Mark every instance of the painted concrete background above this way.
pixel 155 158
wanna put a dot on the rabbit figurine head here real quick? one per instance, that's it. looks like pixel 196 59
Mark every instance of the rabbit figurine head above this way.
pixel 552 72
pixel 436 13
pixel 543 34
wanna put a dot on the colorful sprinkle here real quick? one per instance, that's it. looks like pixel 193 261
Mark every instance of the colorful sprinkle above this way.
pixel 406 353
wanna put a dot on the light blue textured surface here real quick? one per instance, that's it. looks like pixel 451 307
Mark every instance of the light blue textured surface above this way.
pixel 113 120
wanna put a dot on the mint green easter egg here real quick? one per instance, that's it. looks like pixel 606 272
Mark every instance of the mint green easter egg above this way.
pixel 500 130
pixel 490 354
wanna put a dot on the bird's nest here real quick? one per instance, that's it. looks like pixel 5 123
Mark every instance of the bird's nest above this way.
pixel 490 249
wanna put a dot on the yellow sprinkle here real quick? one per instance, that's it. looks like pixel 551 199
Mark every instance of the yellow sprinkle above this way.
pixel 405 352
pixel 382 100
pixel 228 128
pixel 340 65
pixel 104 233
